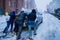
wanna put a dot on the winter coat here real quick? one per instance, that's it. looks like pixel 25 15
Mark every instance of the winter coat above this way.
pixel 32 16
pixel 21 18
pixel 12 15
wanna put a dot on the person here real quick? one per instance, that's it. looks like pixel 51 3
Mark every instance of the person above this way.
pixel 31 23
pixel 11 21
pixel 15 31
pixel 19 23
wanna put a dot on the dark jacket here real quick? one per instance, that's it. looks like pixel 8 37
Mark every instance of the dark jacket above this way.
pixel 21 18
pixel 32 16
pixel 12 15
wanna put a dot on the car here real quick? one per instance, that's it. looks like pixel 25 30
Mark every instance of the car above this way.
pixel 57 13
pixel 39 18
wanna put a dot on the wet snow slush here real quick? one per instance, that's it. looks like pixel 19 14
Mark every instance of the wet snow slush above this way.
pixel 48 30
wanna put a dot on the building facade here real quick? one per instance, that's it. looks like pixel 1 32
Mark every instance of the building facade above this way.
pixel 7 5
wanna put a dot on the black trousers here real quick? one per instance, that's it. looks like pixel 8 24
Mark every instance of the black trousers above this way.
pixel 16 28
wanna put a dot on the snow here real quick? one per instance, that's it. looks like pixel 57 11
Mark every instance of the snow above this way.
pixel 48 30
pixel 41 4
pixel 3 21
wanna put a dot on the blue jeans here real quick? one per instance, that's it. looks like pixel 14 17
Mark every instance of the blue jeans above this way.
pixel 30 25
pixel 7 27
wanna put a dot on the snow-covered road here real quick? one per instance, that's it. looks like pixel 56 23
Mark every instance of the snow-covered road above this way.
pixel 48 30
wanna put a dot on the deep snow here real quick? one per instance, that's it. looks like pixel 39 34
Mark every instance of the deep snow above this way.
pixel 48 30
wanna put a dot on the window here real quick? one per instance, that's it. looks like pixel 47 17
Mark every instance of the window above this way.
pixel 13 3
pixel 9 3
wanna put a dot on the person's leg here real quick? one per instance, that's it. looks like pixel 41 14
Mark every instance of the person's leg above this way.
pixel 19 31
pixel 11 30
pixel 6 29
pixel 30 30
pixel 16 28
pixel 34 28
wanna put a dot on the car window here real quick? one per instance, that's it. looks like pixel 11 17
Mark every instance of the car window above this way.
pixel 38 13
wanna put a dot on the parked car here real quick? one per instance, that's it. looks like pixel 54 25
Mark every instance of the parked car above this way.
pixel 39 18
pixel 57 13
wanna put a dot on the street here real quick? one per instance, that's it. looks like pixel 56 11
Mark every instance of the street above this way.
pixel 48 30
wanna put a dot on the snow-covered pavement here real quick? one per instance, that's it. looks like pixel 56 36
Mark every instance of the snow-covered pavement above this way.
pixel 48 30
